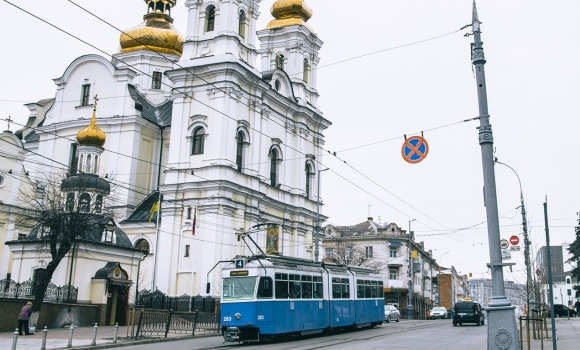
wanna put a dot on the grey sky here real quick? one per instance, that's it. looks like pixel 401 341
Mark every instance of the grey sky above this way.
pixel 532 92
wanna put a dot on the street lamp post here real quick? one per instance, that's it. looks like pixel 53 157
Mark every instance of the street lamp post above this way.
pixel 317 217
pixel 526 239
pixel 502 327
pixel 411 274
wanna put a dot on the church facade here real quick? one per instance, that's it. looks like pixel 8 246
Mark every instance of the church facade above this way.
pixel 204 140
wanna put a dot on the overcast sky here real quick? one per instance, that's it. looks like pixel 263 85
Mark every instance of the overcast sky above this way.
pixel 533 90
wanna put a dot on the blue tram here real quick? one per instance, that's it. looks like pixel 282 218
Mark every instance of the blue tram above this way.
pixel 269 296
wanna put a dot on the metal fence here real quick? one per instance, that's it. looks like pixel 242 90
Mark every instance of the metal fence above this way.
pixel 154 322
pixel 160 301
pixel 10 289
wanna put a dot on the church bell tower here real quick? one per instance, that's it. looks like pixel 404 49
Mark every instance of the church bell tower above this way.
pixel 218 28
pixel 289 44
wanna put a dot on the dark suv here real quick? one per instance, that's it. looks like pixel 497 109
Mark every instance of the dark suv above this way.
pixel 468 311
pixel 561 310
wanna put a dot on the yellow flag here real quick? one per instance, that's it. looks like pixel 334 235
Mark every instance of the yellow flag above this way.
pixel 414 254
pixel 154 209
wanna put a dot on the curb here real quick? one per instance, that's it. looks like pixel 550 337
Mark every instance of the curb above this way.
pixel 137 342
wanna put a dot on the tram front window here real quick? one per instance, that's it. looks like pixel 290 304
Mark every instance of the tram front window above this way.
pixel 239 288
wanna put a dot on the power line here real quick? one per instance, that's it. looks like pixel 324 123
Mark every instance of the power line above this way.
pixel 261 133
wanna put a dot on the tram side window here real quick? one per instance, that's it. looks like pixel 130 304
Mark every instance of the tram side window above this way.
pixel 374 289
pixel 306 287
pixel 336 291
pixel 360 289
pixel 345 288
pixel 294 286
pixel 380 290
pixel 368 288
pixel 265 288
pixel 281 286
pixel 317 287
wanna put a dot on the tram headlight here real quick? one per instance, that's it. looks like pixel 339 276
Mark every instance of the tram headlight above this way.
pixel 238 316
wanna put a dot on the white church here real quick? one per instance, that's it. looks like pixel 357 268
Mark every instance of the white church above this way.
pixel 217 131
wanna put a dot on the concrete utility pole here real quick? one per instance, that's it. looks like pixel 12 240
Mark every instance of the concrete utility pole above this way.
pixel 411 274
pixel 550 281
pixel 502 328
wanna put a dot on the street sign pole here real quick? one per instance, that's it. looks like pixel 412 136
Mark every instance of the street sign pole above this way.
pixel 502 328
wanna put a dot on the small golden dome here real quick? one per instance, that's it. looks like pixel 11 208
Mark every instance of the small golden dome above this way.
pixel 92 135
pixel 156 33
pixel 289 13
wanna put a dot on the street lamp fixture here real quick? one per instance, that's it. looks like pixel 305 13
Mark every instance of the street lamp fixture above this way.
pixel 526 239
pixel 316 251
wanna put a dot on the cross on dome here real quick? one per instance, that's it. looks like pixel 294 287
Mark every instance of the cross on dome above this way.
pixel 92 135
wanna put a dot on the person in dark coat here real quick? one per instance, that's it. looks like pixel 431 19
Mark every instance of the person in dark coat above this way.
pixel 23 318
pixel 577 307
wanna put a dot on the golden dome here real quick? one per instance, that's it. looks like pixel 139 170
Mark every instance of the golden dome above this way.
pixel 156 33
pixel 92 135
pixel 289 13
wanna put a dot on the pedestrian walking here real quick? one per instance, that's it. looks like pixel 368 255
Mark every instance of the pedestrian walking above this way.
pixel 577 307
pixel 24 317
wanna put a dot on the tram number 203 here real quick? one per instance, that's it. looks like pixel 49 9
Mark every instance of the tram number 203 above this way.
pixel 227 318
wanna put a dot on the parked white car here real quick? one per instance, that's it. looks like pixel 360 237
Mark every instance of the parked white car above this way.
pixel 392 313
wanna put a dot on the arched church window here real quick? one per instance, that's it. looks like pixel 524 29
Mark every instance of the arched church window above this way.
pixel 210 19
pixel 306 72
pixel 240 150
pixel 96 164
pixel 156 80
pixel 198 141
pixel 275 158
pixel 88 165
pixel 80 162
pixel 309 177
pixel 70 201
pixel 142 245
pixel 242 24
pixel 84 203
pixel 99 204
pixel 277 85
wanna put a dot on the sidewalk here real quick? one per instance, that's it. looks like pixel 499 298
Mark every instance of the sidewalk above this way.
pixel 82 338
pixel 567 335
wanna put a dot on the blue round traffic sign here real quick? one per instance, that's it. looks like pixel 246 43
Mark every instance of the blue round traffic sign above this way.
pixel 415 149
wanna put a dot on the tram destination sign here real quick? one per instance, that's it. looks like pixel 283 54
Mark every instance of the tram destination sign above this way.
pixel 239 273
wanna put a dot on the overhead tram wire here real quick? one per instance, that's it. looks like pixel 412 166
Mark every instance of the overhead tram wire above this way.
pixel 191 238
pixel 220 112
pixel 344 178
pixel 181 234
pixel 65 167
pixel 175 199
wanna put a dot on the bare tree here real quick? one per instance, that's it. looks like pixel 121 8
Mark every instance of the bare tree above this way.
pixel 67 212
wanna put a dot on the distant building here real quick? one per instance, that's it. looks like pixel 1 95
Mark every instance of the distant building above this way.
pixel 451 287
pixel 385 248
pixel 558 255
pixel 563 288
pixel 480 289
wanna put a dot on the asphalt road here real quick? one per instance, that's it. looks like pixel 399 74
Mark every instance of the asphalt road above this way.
pixel 424 335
